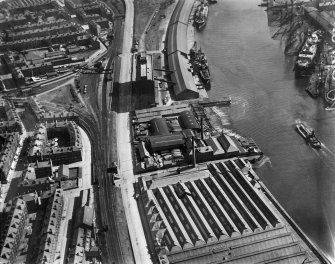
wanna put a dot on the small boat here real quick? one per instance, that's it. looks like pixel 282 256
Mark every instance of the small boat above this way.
pixel 308 135
pixel 201 14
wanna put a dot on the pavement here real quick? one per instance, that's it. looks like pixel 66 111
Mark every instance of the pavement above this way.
pixel 85 164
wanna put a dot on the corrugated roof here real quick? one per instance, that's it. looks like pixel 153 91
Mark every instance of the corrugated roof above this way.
pixel 159 126
pixel 188 121
pixel 176 38
pixel 217 148
pixel 167 141
pixel 206 220
pixel 184 86
pixel 227 143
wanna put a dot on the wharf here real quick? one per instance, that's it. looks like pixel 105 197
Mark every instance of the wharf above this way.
pixel 226 101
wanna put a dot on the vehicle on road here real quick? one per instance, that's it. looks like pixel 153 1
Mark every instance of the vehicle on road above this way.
pixel 85 89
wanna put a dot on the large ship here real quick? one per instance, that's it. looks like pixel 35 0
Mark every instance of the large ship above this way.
pixel 201 14
pixel 200 65
pixel 308 135
pixel 306 58
pixel 203 66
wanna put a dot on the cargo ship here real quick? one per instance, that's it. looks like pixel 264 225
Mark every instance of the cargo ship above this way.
pixel 201 14
pixel 305 62
pixel 203 66
pixel 308 135
pixel 200 65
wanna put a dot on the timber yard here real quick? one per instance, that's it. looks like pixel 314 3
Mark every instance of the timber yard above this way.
pixel 116 147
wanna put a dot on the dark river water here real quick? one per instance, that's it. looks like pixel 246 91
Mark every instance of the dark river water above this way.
pixel 249 66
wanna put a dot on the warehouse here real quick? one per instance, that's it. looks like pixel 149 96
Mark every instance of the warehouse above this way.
pixel 173 141
pixel 228 145
pixel 159 127
pixel 218 216
pixel 188 121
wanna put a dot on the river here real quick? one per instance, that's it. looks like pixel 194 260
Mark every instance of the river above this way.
pixel 249 66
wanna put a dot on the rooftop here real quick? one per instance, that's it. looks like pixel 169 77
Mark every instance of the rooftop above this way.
pixel 219 215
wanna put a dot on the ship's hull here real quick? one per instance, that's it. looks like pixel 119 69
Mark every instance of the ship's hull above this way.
pixel 308 136
pixel 200 24
pixel 306 70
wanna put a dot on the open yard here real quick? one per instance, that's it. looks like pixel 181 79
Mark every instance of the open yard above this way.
pixel 143 12
pixel 61 97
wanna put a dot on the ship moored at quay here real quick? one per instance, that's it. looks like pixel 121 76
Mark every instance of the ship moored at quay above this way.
pixel 201 15
pixel 306 59
pixel 199 62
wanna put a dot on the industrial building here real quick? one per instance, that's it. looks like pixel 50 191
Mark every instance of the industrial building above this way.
pixel 183 81
pixel 173 135
pixel 219 215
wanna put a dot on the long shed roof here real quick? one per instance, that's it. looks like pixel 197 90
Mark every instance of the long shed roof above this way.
pixel 184 86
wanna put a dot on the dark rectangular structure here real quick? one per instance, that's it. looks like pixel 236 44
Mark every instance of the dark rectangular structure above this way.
pixel 159 143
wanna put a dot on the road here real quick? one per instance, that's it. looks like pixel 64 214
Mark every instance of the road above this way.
pixel 136 232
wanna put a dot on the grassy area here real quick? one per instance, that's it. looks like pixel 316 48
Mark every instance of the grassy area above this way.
pixel 154 37
pixel 61 96
pixel 143 11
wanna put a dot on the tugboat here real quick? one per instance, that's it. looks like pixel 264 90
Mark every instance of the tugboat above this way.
pixel 201 14
pixel 308 135
pixel 307 56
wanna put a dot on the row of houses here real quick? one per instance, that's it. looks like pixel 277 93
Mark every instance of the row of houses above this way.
pixel 45 41
pixel 40 32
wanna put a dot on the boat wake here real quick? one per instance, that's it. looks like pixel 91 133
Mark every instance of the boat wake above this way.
pixel 328 151
pixel 327 157
pixel 218 117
